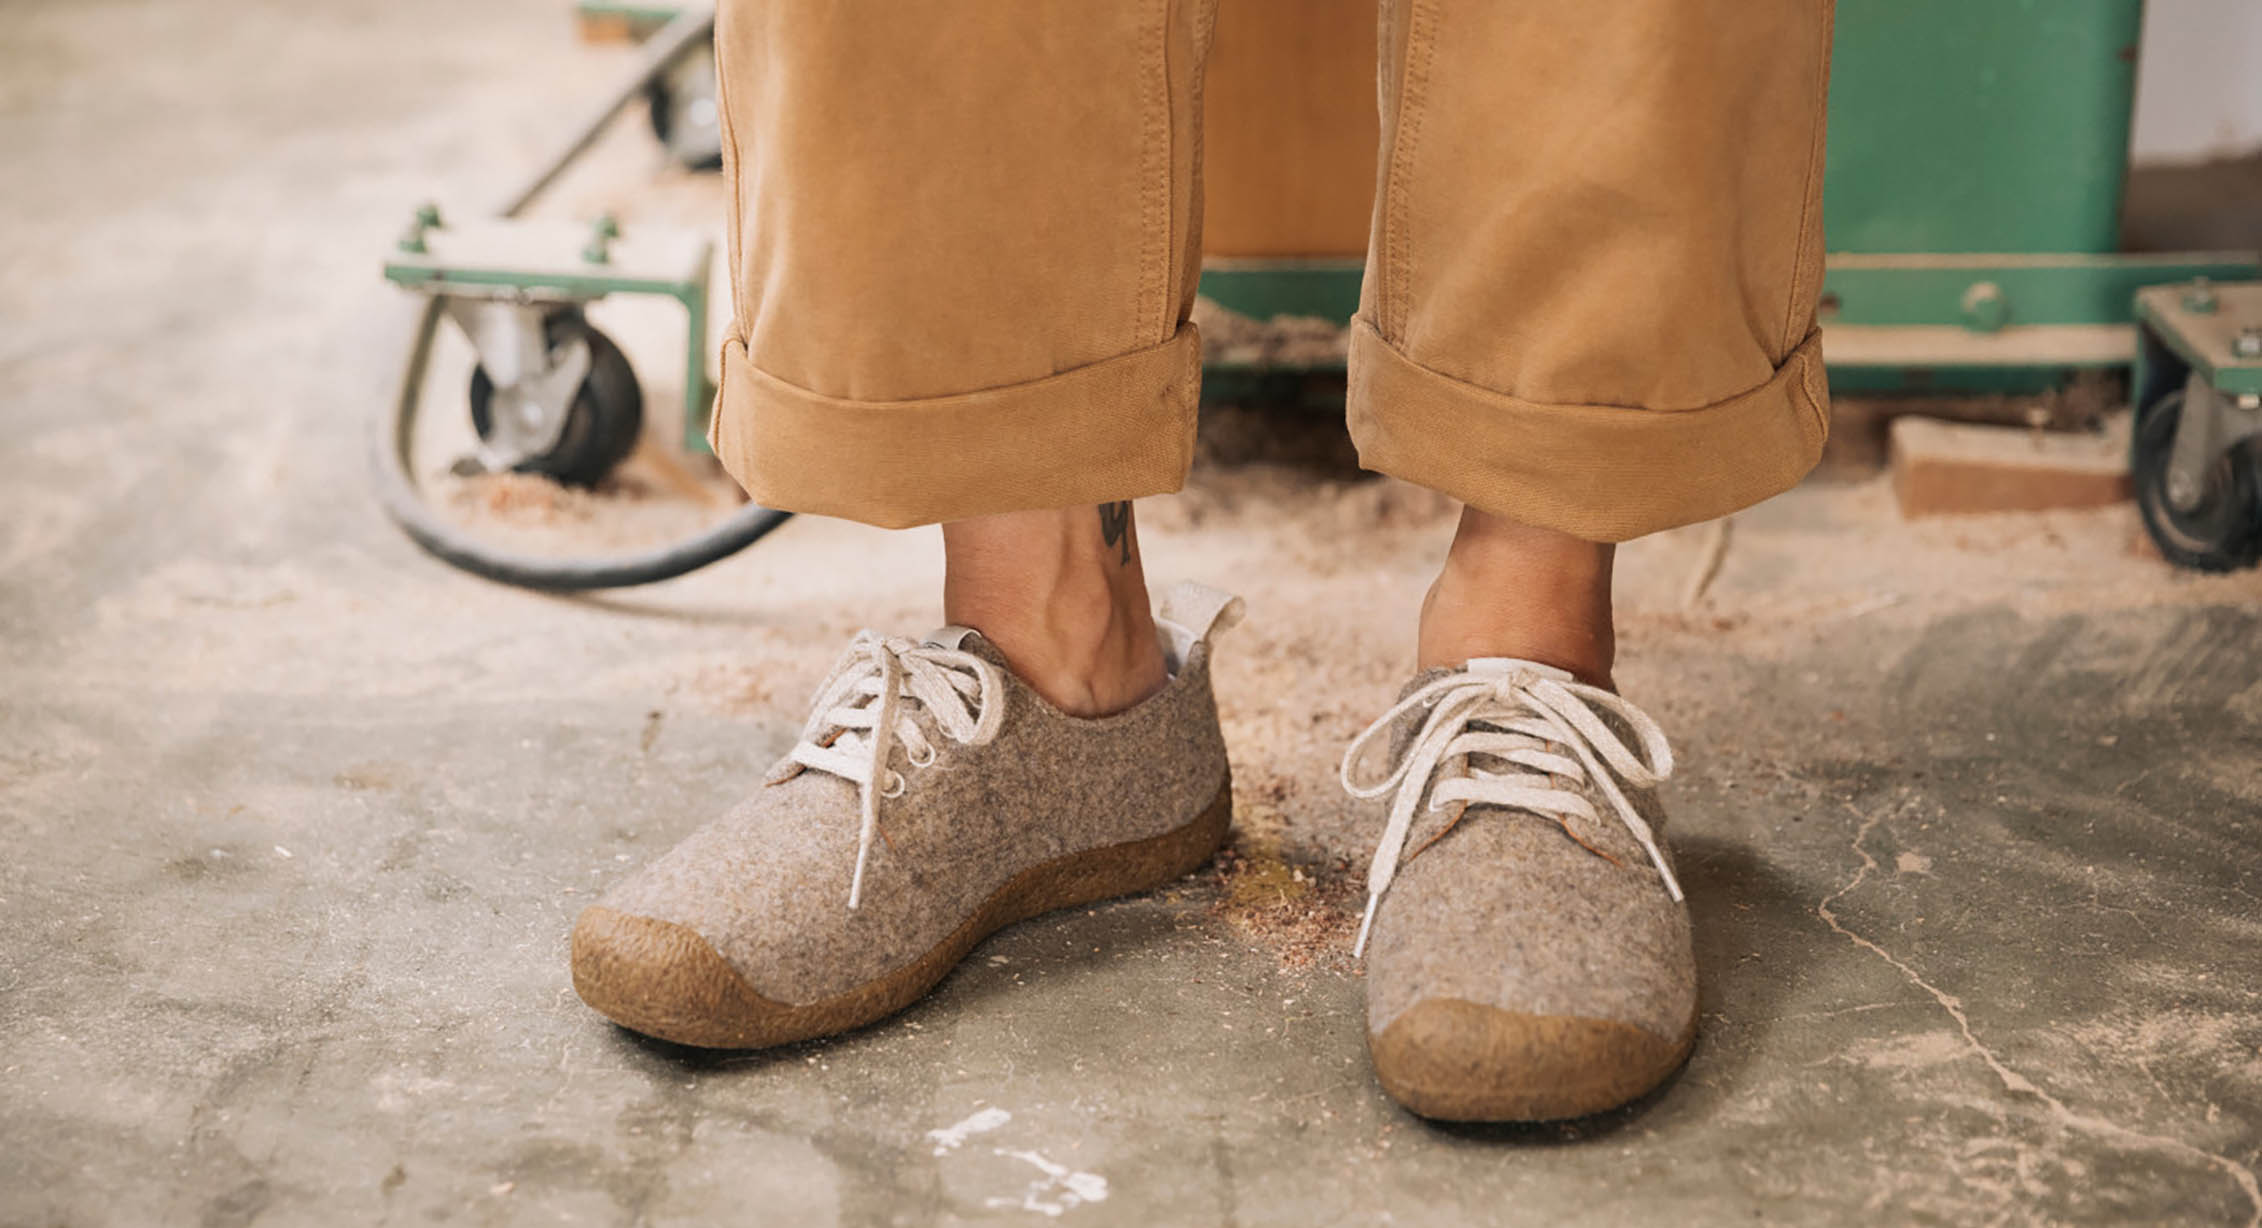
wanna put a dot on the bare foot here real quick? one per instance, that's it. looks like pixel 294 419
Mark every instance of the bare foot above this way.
pixel 1511 590
pixel 1063 596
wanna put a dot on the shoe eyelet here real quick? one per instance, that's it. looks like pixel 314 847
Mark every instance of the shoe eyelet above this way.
pixel 894 786
pixel 918 762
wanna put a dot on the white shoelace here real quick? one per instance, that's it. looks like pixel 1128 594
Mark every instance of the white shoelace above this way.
pixel 861 713
pixel 1535 713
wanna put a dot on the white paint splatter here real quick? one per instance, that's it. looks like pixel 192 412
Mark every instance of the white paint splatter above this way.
pixel 983 1121
pixel 1060 1189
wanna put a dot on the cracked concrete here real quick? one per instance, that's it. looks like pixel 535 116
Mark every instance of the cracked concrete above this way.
pixel 2012 1080
pixel 293 820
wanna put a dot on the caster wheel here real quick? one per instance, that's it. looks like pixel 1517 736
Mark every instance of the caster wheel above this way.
pixel 2223 531
pixel 684 113
pixel 606 417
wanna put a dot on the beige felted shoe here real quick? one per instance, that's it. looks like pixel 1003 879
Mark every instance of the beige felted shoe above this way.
pixel 1527 946
pixel 933 800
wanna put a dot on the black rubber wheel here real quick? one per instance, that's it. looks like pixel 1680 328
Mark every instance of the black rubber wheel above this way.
pixel 662 103
pixel 604 422
pixel 659 105
pixel 2224 531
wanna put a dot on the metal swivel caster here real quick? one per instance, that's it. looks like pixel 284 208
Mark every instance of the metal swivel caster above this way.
pixel 551 395
pixel 2195 456
pixel 2209 518
pixel 685 115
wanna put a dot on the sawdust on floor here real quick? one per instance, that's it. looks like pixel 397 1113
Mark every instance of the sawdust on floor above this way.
pixel 1333 564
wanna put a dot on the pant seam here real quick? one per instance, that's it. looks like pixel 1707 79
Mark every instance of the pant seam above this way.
pixel 1187 263
pixel 1188 257
pixel 1413 93
pixel 1802 291
pixel 1155 181
pixel 734 238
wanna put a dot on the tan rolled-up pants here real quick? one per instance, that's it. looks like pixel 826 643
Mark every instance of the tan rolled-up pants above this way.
pixel 966 235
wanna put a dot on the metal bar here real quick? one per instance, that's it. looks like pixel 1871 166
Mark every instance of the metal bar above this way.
pixel 693 27
pixel 2057 311
pixel 698 389
pixel 1846 346
pixel 1262 289
pixel 1986 292
pixel 485 282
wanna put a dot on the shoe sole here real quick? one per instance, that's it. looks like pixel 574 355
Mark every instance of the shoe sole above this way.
pixel 1455 1060
pixel 664 980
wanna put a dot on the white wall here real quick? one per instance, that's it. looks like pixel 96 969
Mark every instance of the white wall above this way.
pixel 2198 81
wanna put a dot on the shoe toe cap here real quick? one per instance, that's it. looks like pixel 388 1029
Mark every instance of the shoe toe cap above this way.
pixel 1456 1060
pixel 662 979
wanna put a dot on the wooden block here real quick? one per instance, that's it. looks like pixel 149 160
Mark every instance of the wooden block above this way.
pixel 1947 467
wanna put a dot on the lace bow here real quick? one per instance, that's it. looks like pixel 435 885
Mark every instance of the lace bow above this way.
pixel 1542 735
pixel 871 703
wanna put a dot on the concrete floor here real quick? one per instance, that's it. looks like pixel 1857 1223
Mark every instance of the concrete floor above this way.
pixel 293 820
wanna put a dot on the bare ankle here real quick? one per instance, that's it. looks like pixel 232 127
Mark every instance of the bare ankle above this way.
pixel 1512 590
pixel 1064 597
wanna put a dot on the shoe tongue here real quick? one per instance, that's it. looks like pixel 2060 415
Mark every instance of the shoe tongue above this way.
pixel 952 637
pixel 1492 667
pixel 1482 667
pixel 966 639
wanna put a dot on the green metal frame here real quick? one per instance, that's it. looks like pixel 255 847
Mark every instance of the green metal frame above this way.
pixel 2028 290
pixel 1993 321
pixel 1985 321
pixel 482 263
pixel 642 19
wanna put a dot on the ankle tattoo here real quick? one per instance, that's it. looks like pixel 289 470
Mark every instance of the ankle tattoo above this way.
pixel 1115 526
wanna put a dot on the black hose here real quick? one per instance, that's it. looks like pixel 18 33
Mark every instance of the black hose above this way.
pixel 397 488
pixel 402 498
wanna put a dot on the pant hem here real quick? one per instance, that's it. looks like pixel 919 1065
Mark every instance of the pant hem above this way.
pixel 1601 472
pixel 1118 429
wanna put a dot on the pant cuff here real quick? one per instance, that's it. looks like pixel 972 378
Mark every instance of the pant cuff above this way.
pixel 1601 472
pixel 1118 429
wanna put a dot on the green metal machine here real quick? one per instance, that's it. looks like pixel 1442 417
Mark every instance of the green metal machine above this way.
pixel 1977 157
